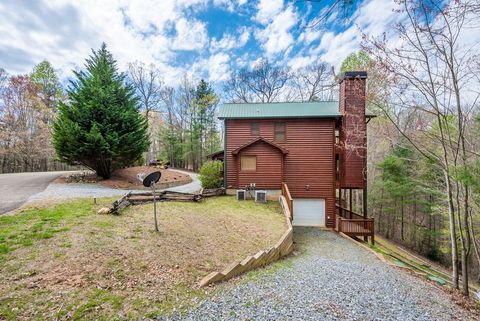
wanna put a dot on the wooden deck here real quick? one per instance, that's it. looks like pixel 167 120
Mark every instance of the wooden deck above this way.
pixel 353 224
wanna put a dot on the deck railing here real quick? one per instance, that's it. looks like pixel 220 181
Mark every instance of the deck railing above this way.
pixel 288 197
pixel 353 224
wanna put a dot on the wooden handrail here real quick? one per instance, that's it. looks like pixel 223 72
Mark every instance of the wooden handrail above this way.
pixel 343 212
pixel 288 197
pixel 351 223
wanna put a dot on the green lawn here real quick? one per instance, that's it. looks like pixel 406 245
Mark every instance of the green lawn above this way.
pixel 67 261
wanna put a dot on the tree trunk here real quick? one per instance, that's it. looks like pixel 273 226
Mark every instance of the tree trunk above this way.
pixel 453 233
pixel 402 213
pixel 467 244
pixel 380 213
pixel 430 221
pixel 414 223
pixel 474 243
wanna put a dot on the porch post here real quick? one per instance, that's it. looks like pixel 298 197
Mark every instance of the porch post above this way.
pixel 365 238
pixel 350 204
pixel 340 202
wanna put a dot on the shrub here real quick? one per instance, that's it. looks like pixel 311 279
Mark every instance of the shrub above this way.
pixel 211 174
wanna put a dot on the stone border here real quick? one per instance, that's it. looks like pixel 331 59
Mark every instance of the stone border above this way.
pixel 282 248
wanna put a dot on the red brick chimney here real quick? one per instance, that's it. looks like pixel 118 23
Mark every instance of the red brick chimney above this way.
pixel 353 129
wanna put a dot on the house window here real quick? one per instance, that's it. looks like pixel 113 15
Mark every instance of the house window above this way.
pixel 255 129
pixel 248 163
pixel 280 132
pixel 337 167
pixel 337 136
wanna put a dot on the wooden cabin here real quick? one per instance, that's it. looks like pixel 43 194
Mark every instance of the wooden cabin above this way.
pixel 315 152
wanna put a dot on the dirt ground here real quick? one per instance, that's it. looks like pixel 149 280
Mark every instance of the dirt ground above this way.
pixel 127 178
pixel 94 266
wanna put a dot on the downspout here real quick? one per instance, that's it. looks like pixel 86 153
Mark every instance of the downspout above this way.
pixel 225 154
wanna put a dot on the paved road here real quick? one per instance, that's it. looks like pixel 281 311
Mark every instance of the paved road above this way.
pixel 15 189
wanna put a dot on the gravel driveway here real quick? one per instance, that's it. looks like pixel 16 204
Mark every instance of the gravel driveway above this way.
pixel 57 191
pixel 330 279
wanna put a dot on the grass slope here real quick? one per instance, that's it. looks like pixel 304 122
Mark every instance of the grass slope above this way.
pixel 67 262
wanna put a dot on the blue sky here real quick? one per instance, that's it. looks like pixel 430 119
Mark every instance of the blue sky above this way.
pixel 203 38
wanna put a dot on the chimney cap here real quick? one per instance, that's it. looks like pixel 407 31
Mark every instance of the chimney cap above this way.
pixel 353 75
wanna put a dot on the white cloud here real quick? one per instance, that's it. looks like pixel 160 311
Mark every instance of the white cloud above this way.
pixel 374 17
pixel 300 61
pixel 217 67
pixel 309 36
pixel 267 9
pixel 255 62
pixel 276 36
pixel 228 4
pixel 334 48
pixel 243 39
pixel 227 42
pixel 154 31
pixel 242 61
pixel 64 32
pixel 191 35
pixel 230 41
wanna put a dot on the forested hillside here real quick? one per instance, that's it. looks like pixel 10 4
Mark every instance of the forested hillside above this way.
pixel 424 160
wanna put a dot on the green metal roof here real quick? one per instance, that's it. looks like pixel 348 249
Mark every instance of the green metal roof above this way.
pixel 321 109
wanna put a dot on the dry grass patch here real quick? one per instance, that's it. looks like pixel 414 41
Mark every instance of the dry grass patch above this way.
pixel 67 262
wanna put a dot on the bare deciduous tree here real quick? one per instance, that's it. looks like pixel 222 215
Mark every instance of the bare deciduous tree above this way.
pixel 148 85
pixel 264 83
pixel 314 82
pixel 268 83
pixel 24 133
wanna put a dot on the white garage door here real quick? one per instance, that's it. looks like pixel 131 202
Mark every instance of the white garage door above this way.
pixel 309 212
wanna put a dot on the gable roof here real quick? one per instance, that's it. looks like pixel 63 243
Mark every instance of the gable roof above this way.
pixel 320 109
pixel 260 139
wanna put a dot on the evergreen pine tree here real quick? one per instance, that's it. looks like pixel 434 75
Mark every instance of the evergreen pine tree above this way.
pixel 45 76
pixel 100 126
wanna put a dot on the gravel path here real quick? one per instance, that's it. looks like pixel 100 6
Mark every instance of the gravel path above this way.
pixel 192 187
pixel 57 191
pixel 330 279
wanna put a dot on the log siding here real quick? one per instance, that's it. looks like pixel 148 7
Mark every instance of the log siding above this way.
pixel 308 168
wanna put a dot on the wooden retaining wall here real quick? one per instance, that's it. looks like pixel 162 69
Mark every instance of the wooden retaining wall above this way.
pixel 282 248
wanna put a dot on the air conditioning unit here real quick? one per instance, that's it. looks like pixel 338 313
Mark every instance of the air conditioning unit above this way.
pixel 261 196
pixel 241 195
